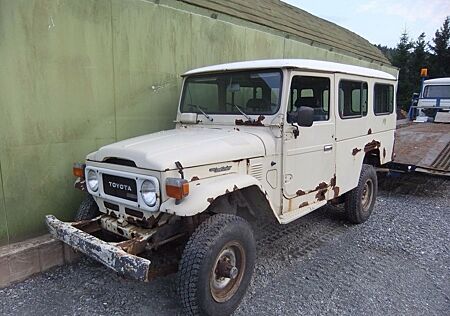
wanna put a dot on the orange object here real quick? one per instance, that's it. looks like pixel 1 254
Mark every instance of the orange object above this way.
pixel 78 170
pixel 424 72
pixel 177 188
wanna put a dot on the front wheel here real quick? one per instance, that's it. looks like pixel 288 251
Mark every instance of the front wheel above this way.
pixel 216 266
pixel 360 201
pixel 88 209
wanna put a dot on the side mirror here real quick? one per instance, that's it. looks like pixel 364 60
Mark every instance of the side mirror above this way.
pixel 305 116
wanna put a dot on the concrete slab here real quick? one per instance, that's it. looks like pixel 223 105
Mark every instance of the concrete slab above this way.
pixel 21 260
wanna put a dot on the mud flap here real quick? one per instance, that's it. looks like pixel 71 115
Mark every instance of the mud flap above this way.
pixel 110 255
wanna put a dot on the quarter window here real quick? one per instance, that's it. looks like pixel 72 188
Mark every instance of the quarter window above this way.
pixel 383 99
pixel 352 98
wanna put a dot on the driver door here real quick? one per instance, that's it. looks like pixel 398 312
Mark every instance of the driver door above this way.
pixel 309 158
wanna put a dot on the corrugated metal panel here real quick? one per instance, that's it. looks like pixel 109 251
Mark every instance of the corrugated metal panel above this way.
pixel 292 20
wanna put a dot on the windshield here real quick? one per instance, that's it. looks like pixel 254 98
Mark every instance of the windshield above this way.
pixel 235 93
pixel 437 92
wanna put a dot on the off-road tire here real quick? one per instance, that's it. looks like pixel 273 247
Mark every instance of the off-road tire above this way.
pixel 199 264
pixel 88 209
pixel 358 211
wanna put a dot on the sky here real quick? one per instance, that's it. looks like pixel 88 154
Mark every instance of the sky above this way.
pixel 381 21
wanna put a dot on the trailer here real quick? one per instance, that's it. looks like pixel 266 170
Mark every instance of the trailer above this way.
pixel 422 142
pixel 422 147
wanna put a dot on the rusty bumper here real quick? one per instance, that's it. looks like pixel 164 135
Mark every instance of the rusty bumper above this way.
pixel 109 254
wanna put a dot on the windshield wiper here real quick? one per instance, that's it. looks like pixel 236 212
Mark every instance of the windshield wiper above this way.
pixel 203 112
pixel 242 112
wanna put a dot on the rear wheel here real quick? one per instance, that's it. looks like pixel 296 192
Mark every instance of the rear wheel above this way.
pixel 88 209
pixel 217 266
pixel 360 201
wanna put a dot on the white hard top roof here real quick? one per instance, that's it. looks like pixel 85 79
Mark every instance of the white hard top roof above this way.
pixel 303 64
pixel 438 81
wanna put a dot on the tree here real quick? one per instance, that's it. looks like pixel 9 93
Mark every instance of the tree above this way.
pixel 387 51
pixel 440 61
pixel 419 59
pixel 401 59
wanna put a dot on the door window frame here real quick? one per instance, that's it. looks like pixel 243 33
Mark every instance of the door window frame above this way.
pixel 331 105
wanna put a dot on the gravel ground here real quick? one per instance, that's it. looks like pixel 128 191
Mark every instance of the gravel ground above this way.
pixel 397 263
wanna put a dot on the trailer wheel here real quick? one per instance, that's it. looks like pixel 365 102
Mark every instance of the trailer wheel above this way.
pixel 88 209
pixel 360 201
pixel 216 266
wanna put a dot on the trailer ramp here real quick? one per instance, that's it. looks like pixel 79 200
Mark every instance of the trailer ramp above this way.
pixel 423 147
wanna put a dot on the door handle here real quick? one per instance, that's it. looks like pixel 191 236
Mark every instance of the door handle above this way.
pixel 327 147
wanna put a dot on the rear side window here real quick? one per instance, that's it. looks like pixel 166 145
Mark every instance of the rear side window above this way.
pixel 352 98
pixel 383 99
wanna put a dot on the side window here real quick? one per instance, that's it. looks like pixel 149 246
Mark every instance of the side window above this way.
pixel 312 92
pixel 353 96
pixel 383 99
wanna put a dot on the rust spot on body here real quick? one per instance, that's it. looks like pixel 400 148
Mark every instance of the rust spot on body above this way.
pixel 195 178
pixel 321 186
pixel 369 131
pixel 333 181
pixel 257 122
pixel 372 145
pixel 355 151
pixel 336 192
pixel 210 200
pixel 384 152
pixel 303 204
pixel 235 188
pixel 320 196
pixel 300 192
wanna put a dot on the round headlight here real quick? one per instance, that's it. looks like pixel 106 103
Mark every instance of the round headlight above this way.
pixel 92 180
pixel 148 193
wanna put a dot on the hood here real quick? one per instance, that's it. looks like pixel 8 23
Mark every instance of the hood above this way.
pixel 191 147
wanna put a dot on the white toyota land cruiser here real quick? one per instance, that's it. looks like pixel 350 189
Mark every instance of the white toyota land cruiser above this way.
pixel 284 136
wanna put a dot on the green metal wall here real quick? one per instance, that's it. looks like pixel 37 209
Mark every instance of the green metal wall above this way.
pixel 75 75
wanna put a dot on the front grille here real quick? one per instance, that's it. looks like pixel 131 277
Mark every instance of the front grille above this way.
pixel 111 206
pixel 134 213
pixel 121 187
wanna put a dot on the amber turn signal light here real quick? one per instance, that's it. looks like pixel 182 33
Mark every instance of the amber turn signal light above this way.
pixel 177 188
pixel 78 169
pixel 424 72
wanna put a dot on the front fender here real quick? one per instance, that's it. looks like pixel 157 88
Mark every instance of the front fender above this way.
pixel 204 192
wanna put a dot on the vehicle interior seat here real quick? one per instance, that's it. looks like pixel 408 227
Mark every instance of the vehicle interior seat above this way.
pixel 319 113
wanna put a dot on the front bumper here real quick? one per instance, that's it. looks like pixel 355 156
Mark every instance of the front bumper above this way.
pixel 111 255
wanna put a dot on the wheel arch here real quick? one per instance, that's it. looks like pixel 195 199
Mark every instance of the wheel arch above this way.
pixel 210 195
pixel 372 158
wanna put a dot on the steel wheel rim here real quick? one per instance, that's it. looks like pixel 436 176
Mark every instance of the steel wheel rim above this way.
pixel 223 288
pixel 367 195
